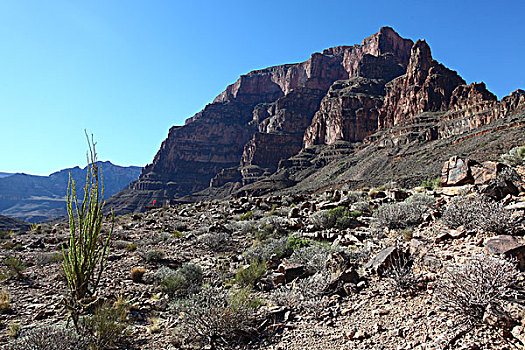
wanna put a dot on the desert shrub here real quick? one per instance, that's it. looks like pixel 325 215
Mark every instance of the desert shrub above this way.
pixel 515 156
pixel 314 257
pixel 137 273
pixel 362 206
pixel 131 247
pixel 154 256
pixel 14 266
pixel 214 317
pixel 319 219
pixel 248 276
pixel 295 242
pixel 5 302
pixel 49 338
pixel 401 274
pixel 476 212
pixel 86 257
pixel 399 215
pixel 422 200
pixel 120 244
pixel 215 241
pixel 246 216
pixel 265 250
pixel 431 182
pixel 282 247
pixel 48 258
pixel 106 326
pixel 182 282
pixel 468 289
pixel 306 296
pixel 273 226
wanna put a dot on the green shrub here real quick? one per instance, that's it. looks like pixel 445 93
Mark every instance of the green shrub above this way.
pixel 14 329
pixel 15 266
pixel 106 327
pixel 86 257
pixel 246 216
pixel 250 275
pixel 155 256
pixel 178 234
pixel 340 217
pixel 131 247
pixel 431 182
pixel 5 235
pixel 5 302
pixel 515 156
pixel 295 242
pixel 184 281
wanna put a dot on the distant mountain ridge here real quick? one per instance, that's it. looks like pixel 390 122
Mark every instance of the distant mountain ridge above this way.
pixel 34 198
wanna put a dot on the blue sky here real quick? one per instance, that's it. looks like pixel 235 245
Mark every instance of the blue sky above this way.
pixel 128 70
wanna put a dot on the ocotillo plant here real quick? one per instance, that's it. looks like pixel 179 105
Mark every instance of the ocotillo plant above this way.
pixel 86 257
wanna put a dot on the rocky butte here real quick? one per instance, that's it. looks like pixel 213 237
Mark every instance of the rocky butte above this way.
pixel 286 126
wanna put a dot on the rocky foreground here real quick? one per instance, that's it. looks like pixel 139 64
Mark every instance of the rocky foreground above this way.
pixel 379 268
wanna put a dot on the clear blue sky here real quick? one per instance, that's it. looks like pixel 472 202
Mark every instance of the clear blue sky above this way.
pixel 129 70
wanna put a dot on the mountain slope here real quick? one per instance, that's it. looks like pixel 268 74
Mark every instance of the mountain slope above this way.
pixel 36 198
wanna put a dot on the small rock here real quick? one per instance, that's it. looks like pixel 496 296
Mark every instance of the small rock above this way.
pixel 519 333
pixel 293 271
pixel 507 245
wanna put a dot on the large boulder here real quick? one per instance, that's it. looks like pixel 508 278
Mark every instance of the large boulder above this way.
pixel 456 171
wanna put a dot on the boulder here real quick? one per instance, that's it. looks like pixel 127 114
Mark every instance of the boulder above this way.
pixel 338 283
pixel 456 171
pixel 486 171
pixel 337 262
pixel 508 246
pixel 385 259
pixel 293 271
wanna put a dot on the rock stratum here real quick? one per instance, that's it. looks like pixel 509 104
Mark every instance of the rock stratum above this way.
pixel 373 111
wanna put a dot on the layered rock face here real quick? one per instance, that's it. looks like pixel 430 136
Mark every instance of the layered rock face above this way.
pixel 427 86
pixel 387 90
pixel 348 112
pixel 381 56
pixel 260 119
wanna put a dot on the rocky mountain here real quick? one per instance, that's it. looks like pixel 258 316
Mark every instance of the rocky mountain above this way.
pixel 37 198
pixel 306 125
pixel 11 224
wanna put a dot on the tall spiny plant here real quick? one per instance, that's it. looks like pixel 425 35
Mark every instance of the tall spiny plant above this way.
pixel 86 258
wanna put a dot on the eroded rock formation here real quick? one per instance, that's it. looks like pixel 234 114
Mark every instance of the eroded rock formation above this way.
pixel 385 91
